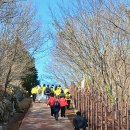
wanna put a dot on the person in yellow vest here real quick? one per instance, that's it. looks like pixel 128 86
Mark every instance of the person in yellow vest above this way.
pixel 34 93
pixel 57 91
pixel 39 93
pixel 68 98
pixel 66 90
pixel 59 87
pixel 52 89
pixel 43 88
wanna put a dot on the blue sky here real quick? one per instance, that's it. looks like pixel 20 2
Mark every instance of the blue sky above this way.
pixel 43 14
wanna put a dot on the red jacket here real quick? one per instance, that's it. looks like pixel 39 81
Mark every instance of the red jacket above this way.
pixel 51 101
pixel 63 102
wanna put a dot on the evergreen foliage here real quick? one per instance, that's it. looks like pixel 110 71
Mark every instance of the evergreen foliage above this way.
pixel 30 80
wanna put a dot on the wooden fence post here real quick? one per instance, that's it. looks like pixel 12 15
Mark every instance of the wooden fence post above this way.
pixel 91 115
pixel 127 117
pixel 105 110
pixel 113 120
pixel 89 112
pixel 96 116
pixel 101 116
pixel 118 119
pixel 93 105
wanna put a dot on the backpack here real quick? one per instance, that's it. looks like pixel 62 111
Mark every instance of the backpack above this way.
pixel 48 90
pixel 51 101
pixel 56 103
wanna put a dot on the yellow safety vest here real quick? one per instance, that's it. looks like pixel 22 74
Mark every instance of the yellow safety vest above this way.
pixel 57 92
pixel 66 90
pixel 34 90
pixel 43 88
pixel 68 97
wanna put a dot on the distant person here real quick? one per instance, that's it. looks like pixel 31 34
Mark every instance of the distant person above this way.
pixel 52 89
pixel 47 92
pixel 44 88
pixel 40 96
pixel 38 93
pixel 62 93
pixel 57 91
pixel 79 122
pixel 68 98
pixel 34 93
pixel 66 90
pixel 51 102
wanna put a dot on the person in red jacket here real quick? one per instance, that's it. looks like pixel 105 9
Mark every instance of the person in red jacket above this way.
pixel 63 104
pixel 51 102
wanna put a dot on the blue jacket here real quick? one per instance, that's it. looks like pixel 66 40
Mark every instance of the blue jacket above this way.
pixel 56 107
pixel 80 122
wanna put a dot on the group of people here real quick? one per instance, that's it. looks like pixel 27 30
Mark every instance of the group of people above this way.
pixel 38 93
pixel 57 104
pixel 58 100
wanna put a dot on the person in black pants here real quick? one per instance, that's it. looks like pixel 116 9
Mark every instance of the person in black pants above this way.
pixel 68 98
pixel 51 102
pixel 63 104
pixel 56 109
pixel 34 97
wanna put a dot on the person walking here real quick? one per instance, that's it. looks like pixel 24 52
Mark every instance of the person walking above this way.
pixel 57 92
pixel 68 98
pixel 63 104
pixel 79 122
pixel 40 94
pixel 56 109
pixel 51 102
pixel 62 93
pixel 47 92
pixel 66 90
pixel 34 93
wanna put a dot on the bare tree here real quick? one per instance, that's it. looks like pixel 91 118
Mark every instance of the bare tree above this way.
pixel 20 39
pixel 96 39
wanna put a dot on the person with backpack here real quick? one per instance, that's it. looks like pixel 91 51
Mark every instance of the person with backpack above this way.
pixel 47 92
pixel 56 109
pixel 51 102
pixel 80 122
pixel 63 104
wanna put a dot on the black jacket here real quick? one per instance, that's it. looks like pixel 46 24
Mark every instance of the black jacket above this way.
pixel 80 122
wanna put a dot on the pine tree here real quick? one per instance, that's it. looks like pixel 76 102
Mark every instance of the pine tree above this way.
pixel 31 80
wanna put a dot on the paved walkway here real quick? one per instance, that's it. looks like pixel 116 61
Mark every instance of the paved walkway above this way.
pixel 38 118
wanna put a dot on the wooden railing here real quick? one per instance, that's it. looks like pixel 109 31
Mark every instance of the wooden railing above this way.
pixel 97 107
